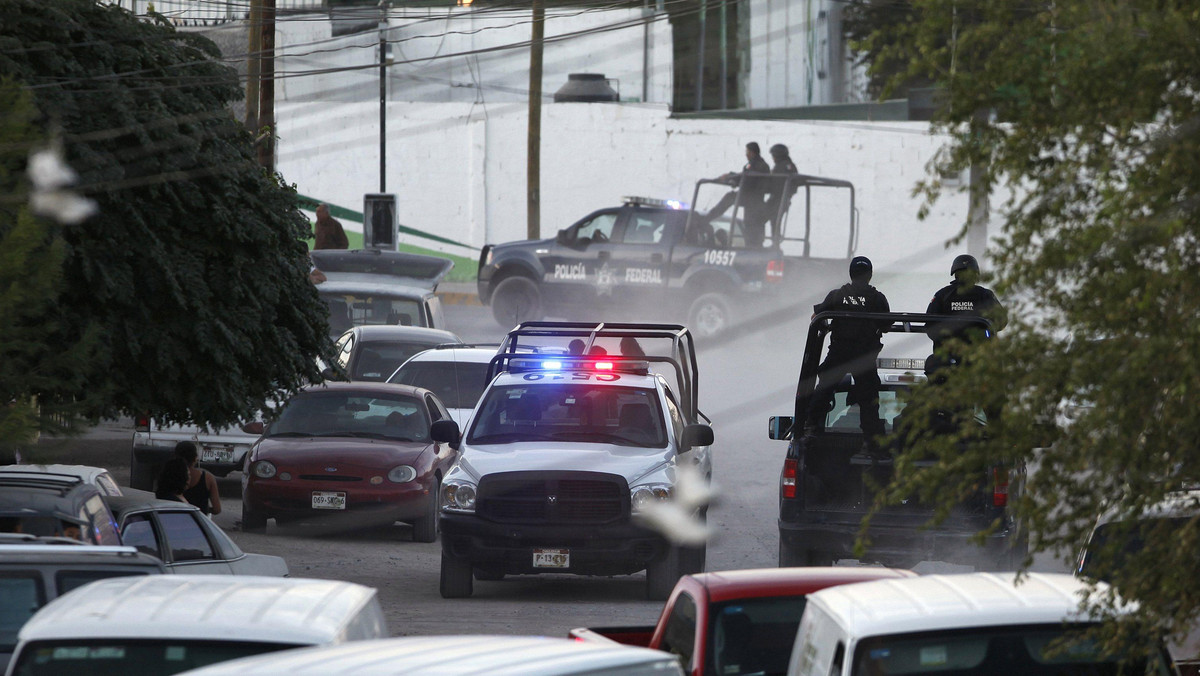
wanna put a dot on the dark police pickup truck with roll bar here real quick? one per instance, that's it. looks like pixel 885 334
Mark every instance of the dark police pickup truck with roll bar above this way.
pixel 826 483
pixel 649 256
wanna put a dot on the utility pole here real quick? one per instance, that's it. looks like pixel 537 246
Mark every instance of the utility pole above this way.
pixel 253 66
pixel 724 58
pixel 700 57
pixel 383 97
pixel 533 227
pixel 266 91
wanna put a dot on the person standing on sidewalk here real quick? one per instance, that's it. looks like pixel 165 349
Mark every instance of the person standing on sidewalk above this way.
pixel 328 231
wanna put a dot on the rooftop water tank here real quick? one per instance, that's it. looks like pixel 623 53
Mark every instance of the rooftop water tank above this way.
pixel 586 88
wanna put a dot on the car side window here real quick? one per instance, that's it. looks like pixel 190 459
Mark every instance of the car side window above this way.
pixel 644 227
pixel 676 417
pixel 599 229
pixel 345 347
pixel 436 410
pixel 185 537
pixel 139 532
pixel 679 636
pixel 102 521
pixel 21 594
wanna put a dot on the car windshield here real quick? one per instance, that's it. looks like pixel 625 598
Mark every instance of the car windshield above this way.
pixel 159 657
pixel 379 359
pixel 21 594
pixel 348 309
pixel 458 385
pixel 1035 650
pixel 627 416
pixel 1114 542
pixel 753 636
pixel 352 414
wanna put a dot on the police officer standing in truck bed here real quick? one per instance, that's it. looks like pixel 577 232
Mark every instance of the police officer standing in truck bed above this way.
pixel 964 298
pixel 854 346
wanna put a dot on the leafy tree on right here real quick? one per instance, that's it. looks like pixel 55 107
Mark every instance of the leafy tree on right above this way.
pixel 1086 114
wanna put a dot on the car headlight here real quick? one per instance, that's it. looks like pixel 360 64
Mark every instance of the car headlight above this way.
pixel 402 474
pixel 641 496
pixel 458 496
pixel 264 469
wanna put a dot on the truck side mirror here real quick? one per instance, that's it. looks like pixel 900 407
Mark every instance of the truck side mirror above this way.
pixel 697 435
pixel 561 237
pixel 444 431
pixel 780 427
pixel 255 427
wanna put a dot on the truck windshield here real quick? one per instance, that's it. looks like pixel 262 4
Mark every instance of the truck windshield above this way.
pixel 131 656
pixel 1030 650
pixel 753 636
pixel 626 416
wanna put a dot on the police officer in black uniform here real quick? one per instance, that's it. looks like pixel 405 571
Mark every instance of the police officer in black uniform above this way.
pixel 781 189
pixel 854 345
pixel 751 184
pixel 963 298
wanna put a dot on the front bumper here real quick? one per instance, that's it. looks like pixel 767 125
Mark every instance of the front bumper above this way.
pixel 612 549
pixel 904 545
pixel 384 502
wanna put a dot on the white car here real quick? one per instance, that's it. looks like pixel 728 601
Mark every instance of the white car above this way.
pixel 457 374
pixel 441 655
pixel 96 476
pixel 568 455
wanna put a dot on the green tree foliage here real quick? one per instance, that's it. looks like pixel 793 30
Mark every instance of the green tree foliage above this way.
pixel 190 286
pixel 1085 114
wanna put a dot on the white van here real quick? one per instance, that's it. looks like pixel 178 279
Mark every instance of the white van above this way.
pixel 979 623
pixel 443 655
pixel 165 624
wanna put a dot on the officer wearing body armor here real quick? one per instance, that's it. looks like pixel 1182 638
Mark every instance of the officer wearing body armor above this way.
pixel 854 345
pixel 964 298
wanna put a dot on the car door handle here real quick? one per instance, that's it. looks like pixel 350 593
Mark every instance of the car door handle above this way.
pixel 603 255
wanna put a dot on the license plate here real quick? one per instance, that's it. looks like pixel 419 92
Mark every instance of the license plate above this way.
pixel 222 454
pixel 551 558
pixel 328 500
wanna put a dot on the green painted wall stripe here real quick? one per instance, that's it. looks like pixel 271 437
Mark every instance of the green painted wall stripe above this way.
pixel 310 203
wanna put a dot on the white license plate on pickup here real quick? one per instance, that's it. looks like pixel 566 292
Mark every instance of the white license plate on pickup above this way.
pixel 551 558
pixel 328 500
pixel 221 454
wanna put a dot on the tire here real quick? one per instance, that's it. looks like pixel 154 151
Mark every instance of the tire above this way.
pixel 693 559
pixel 791 557
pixel 709 316
pixel 425 529
pixel 253 522
pixel 662 574
pixel 456 582
pixel 141 475
pixel 516 300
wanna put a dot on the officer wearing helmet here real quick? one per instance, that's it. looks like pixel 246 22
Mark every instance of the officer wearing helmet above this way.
pixel 964 297
pixel 854 345
pixel 783 187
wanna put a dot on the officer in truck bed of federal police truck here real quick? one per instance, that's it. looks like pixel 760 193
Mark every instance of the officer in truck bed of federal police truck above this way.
pixel 964 297
pixel 853 347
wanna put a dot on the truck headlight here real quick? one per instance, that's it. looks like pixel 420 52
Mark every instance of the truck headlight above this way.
pixel 402 474
pixel 458 496
pixel 641 496
pixel 264 469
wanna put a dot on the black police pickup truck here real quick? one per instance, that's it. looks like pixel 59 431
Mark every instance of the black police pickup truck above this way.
pixel 648 257
pixel 826 485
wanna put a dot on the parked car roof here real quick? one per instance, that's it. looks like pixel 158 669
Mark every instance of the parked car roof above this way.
pixel 218 607
pixel 387 332
pixel 438 655
pixel 932 602
pixel 96 476
pixel 417 269
pixel 765 582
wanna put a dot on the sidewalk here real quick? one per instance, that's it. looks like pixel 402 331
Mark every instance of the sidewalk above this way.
pixel 458 293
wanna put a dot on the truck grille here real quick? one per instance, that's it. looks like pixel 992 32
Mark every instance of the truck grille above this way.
pixel 552 497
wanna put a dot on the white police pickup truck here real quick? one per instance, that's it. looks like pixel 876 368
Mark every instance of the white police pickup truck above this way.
pixel 569 452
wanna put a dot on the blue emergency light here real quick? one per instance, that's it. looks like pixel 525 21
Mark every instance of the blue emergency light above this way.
pixel 579 364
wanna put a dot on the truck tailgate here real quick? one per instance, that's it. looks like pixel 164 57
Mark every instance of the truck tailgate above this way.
pixel 638 636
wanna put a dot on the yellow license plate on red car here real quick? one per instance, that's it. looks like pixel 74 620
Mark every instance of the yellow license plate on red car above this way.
pixel 551 558
pixel 328 500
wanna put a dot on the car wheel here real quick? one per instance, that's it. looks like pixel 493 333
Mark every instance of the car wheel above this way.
pixel 252 521
pixel 425 529
pixel 709 316
pixel 789 557
pixel 692 559
pixel 516 300
pixel 456 580
pixel 662 574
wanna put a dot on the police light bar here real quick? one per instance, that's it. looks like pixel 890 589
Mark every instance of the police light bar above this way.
pixel 578 364
pixel 653 202
pixel 907 364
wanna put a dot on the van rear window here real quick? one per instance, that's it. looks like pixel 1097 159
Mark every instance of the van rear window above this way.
pixel 144 657
pixel 21 594
pixel 1030 650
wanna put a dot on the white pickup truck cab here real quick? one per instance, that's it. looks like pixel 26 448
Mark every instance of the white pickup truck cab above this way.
pixel 980 623
pixel 569 448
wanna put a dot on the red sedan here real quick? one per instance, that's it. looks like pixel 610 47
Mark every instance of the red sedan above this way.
pixel 375 450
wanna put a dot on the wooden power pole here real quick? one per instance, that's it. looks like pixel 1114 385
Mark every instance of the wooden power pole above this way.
pixel 266 91
pixel 533 229
pixel 253 66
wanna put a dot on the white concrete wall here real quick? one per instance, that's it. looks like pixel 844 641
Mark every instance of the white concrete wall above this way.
pixel 459 169
pixel 798 56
